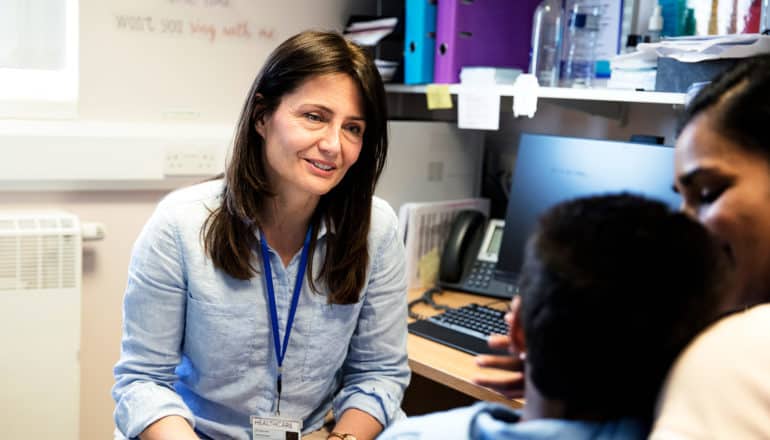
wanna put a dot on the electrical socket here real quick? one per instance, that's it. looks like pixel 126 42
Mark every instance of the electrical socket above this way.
pixel 194 160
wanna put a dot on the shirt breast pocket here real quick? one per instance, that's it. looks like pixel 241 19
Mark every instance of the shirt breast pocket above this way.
pixel 332 327
pixel 221 340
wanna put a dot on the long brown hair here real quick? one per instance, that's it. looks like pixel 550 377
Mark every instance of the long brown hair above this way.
pixel 230 231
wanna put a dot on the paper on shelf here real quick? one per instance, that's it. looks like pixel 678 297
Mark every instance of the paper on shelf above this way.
pixel 478 98
pixel 424 227
pixel 369 33
pixel 643 58
pixel 438 96
pixel 696 49
pixel 478 107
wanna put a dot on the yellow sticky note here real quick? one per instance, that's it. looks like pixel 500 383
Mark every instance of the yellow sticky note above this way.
pixel 427 267
pixel 438 96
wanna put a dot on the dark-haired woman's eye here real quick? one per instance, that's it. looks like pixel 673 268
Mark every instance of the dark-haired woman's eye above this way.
pixel 313 117
pixel 356 129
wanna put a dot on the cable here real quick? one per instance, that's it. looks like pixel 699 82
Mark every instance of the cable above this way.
pixel 426 298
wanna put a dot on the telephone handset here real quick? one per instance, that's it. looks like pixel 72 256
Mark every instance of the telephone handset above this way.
pixel 470 255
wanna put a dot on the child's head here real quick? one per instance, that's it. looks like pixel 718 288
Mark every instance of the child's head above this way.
pixel 612 289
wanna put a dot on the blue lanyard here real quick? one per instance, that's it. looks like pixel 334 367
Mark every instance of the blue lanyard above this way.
pixel 280 350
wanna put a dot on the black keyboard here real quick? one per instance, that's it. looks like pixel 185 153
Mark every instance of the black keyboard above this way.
pixel 466 328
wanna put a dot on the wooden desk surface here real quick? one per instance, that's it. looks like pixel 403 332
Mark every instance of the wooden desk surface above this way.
pixel 446 365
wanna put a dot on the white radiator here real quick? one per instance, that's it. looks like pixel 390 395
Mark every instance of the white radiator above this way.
pixel 40 290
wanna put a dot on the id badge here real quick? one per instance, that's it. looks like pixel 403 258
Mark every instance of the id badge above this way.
pixel 275 428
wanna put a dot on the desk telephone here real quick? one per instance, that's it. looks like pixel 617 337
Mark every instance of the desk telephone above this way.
pixel 470 255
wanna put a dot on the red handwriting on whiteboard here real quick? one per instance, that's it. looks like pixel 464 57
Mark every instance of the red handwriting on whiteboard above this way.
pixel 237 30
pixel 206 29
pixel 266 33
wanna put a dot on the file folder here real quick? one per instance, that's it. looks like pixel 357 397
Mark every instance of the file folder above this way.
pixel 492 33
pixel 420 41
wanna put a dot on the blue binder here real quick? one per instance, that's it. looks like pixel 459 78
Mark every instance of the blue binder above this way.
pixel 420 41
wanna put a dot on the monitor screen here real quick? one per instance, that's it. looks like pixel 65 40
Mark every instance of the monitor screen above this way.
pixel 551 169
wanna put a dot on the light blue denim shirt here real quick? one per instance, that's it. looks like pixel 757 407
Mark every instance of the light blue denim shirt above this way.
pixel 492 421
pixel 197 342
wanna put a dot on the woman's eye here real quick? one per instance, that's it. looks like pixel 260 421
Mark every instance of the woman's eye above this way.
pixel 710 195
pixel 313 117
pixel 356 129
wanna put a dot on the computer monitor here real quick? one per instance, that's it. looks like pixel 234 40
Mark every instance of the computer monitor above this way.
pixel 551 169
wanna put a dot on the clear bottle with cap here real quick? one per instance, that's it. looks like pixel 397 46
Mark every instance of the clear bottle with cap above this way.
pixel 545 60
pixel 579 67
pixel 655 24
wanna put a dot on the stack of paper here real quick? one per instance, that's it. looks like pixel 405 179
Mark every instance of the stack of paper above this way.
pixel 636 70
pixel 424 228
pixel 696 49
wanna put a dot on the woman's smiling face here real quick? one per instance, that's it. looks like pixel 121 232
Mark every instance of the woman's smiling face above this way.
pixel 727 188
pixel 314 136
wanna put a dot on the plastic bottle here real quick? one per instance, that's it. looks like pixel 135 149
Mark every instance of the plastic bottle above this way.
pixel 580 55
pixel 673 15
pixel 546 42
pixel 655 25
pixel 690 26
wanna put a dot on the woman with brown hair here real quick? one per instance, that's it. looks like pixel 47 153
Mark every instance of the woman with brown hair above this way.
pixel 276 293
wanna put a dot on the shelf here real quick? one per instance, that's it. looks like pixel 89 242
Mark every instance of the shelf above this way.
pixel 589 94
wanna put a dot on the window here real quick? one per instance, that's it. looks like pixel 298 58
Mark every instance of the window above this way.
pixel 38 58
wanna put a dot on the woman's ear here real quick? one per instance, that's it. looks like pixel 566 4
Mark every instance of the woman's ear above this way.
pixel 258 115
pixel 259 126
pixel 516 330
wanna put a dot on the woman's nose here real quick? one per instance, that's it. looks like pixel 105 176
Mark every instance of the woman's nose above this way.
pixel 331 140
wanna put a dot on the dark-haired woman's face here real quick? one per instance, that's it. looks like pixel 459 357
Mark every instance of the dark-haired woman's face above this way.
pixel 314 136
pixel 727 188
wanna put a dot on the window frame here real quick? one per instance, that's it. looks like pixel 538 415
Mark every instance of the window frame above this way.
pixel 43 94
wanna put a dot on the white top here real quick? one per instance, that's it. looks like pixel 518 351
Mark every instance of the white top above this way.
pixel 720 385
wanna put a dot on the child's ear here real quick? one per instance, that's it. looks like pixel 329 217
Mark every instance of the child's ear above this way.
pixel 516 330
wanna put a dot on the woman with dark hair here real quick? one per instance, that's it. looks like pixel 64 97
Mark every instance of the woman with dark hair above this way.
pixel 720 386
pixel 277 293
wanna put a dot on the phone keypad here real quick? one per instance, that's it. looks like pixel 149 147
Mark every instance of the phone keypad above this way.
pixel 480 274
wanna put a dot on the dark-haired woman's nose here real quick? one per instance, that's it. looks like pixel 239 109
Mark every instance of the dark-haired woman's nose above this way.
pixel 330 142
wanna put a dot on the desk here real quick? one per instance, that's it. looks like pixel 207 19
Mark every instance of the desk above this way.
pixel 447 366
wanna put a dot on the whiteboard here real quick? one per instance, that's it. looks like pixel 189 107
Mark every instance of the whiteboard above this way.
pixel 167 60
